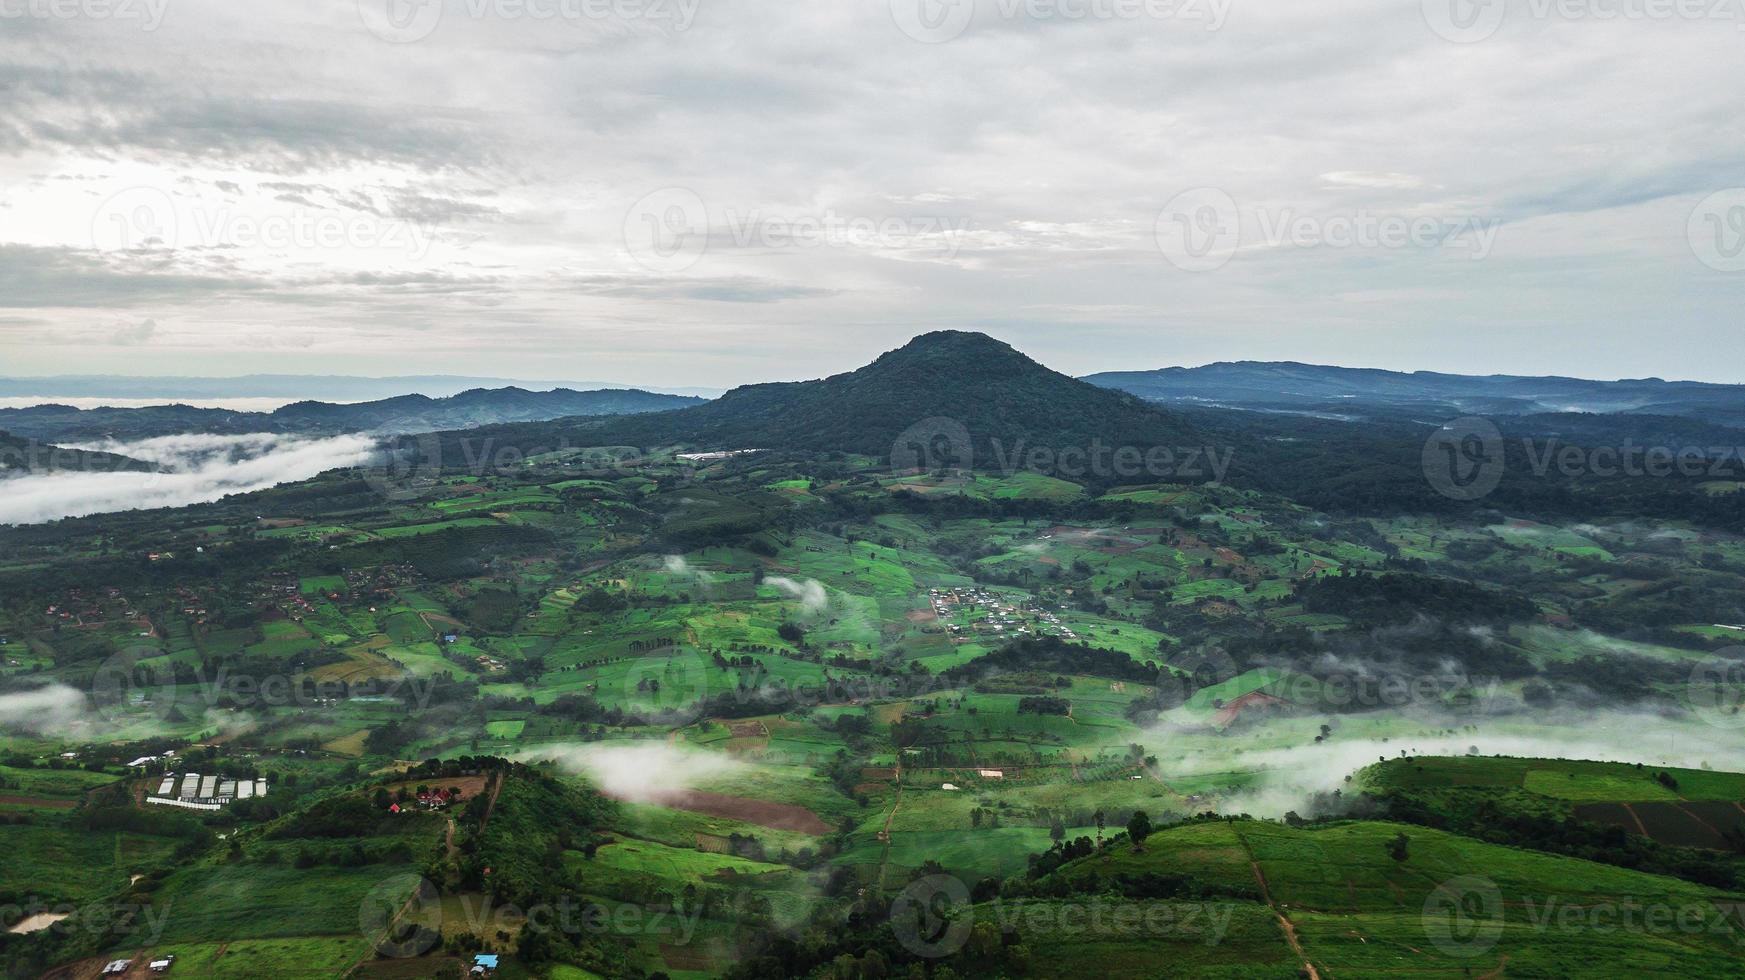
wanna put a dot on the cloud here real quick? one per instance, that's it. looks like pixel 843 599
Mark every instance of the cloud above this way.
pixel 1061 143
pixel 201 468
pixel 676 565
pixel 1358 178
pixel 1275 780
pixel 650 772
pixel 43 277
pixel 140 333
pixel 727 289
pixel 55 710
pixel 813 599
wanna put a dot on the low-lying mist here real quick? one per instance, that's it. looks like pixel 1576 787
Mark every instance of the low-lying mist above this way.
pixel 809 593
pixel 61 711
pixel 1289 778
pixel 55 710
pixel 641 773
pixel 198 469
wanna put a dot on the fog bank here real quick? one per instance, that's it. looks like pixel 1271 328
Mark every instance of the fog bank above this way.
pixel 200 469
pixel 647 772
pixel 1287 778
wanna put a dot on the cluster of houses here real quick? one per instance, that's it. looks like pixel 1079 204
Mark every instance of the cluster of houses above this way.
pixel 430 799
pixel 999 616
pixel 81 610
pixel 192 791
pixel 376 583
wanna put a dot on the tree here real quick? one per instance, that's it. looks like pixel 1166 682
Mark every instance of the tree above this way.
pixel 1397 847
pixel 1139 828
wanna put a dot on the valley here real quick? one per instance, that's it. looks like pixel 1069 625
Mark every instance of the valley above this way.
pixel 670 710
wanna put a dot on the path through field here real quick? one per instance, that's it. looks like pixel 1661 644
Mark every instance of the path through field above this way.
pixel 1284 921
pixel 897 801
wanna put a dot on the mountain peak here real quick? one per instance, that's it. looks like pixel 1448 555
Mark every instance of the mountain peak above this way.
pixel 985 392
pixel 955 352
pixel 956 342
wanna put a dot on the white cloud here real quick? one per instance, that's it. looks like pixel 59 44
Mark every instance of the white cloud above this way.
pixel 649 772
pixel 199 468
pixel 810 593
pixel 463 183
pixel 53 709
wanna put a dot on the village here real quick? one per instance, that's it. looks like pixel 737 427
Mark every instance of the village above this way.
pixel 973 611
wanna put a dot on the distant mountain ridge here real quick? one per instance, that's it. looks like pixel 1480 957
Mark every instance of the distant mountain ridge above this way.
pixel 949 384
pixel 400 414
pixel 1318 389
pixel 317 387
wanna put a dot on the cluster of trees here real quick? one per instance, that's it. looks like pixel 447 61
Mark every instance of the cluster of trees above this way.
pixel 1052 655
pixel 1518 820
pixel 1044 705
pixel 1393 598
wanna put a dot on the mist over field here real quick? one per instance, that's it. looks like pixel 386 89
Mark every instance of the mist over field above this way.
pixel 55 710
pixel 196 469
pixel 1292 778
pixel 809 594
pixel 640 773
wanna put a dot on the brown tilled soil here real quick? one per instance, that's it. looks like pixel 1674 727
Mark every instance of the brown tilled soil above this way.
pixel 776 816
pixel 38 801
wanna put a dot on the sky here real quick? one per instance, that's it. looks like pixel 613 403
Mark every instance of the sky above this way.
pixel 713 192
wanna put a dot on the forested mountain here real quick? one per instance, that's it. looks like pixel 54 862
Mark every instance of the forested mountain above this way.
pixel 948 384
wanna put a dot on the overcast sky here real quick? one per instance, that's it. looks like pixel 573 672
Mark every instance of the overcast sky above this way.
pixel 699 192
